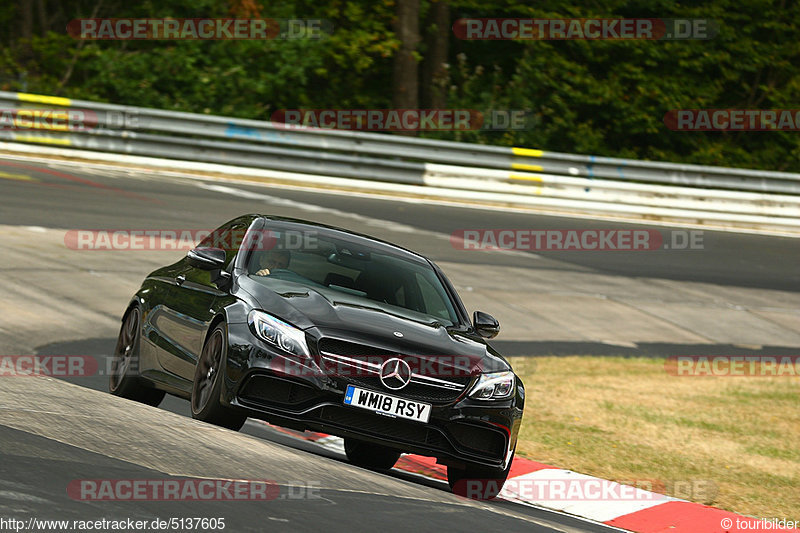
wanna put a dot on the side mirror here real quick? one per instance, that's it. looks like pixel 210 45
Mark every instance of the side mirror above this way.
pixel 207 258
pixel 485 324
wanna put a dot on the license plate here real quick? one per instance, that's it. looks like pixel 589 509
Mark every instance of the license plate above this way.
pixel 387 405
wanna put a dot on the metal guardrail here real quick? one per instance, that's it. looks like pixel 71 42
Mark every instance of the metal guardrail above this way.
pixel 610 183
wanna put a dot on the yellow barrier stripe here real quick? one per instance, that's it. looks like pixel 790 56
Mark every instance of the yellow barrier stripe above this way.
pixel 526 152
pixel 44 140
pixel 42 99
pixel 20 177
pixel 536 186
pixel 522 166
pixel 537 179
pixel 43 127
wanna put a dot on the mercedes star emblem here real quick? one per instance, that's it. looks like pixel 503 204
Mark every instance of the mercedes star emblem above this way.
pixel 395 374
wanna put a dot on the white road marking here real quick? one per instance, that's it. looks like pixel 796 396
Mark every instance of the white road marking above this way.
pixel 21 497
pixel 361 219
pixel 600 508
pixel 312 208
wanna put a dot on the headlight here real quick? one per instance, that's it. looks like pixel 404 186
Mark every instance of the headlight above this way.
pixel 493 386
pixel 278 333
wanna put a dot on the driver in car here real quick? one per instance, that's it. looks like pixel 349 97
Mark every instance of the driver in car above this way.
pixel 273 260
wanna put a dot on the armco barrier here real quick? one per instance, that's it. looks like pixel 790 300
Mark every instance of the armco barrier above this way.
pixel 724 197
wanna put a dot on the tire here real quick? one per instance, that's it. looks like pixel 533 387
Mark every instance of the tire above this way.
pixel 124 380
pixel 372 456
pixel 477 482
pixel 207 385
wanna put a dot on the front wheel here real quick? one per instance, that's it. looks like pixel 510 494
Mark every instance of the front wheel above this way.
pixel 124 380
pixel 477 482
pixel 207 385
pixel 370 456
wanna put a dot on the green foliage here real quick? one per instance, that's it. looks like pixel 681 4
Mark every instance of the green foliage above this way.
pixel 610 97
pixel 595 97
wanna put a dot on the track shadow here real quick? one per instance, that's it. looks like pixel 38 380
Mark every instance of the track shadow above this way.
pixel 654 349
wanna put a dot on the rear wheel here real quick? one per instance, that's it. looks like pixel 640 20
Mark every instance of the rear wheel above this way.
pixel 372 456
pixel 207 386
pixel 124 380
pixel 477 482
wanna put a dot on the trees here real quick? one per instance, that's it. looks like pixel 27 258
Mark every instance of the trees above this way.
pixel 405 79
pixel 437 35
pixel 598 97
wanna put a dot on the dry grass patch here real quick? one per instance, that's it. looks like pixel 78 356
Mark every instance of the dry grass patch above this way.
pixel 626 419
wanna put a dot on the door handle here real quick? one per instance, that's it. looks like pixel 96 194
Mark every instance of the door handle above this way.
pixel 180 279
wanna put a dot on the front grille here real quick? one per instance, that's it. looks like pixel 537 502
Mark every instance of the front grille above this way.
pixel 274 390
pixel 413 391
pixel 484 441
pixel 336 353
pixel 393 428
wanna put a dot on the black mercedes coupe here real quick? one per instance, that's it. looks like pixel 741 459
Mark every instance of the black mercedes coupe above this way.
pixel 312 327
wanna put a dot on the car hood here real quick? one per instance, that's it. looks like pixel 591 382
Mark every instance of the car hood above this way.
pixel 332 314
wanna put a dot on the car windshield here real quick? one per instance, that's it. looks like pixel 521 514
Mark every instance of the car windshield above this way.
pixel 348 271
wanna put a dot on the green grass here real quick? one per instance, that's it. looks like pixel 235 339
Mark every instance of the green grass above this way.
pixel 627 419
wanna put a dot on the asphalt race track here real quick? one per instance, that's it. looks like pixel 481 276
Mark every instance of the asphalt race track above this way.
pixel 68 199
pixel 100 437
pixel 55 431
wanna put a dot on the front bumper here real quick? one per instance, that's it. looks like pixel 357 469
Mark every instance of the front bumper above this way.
pixel 266 385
